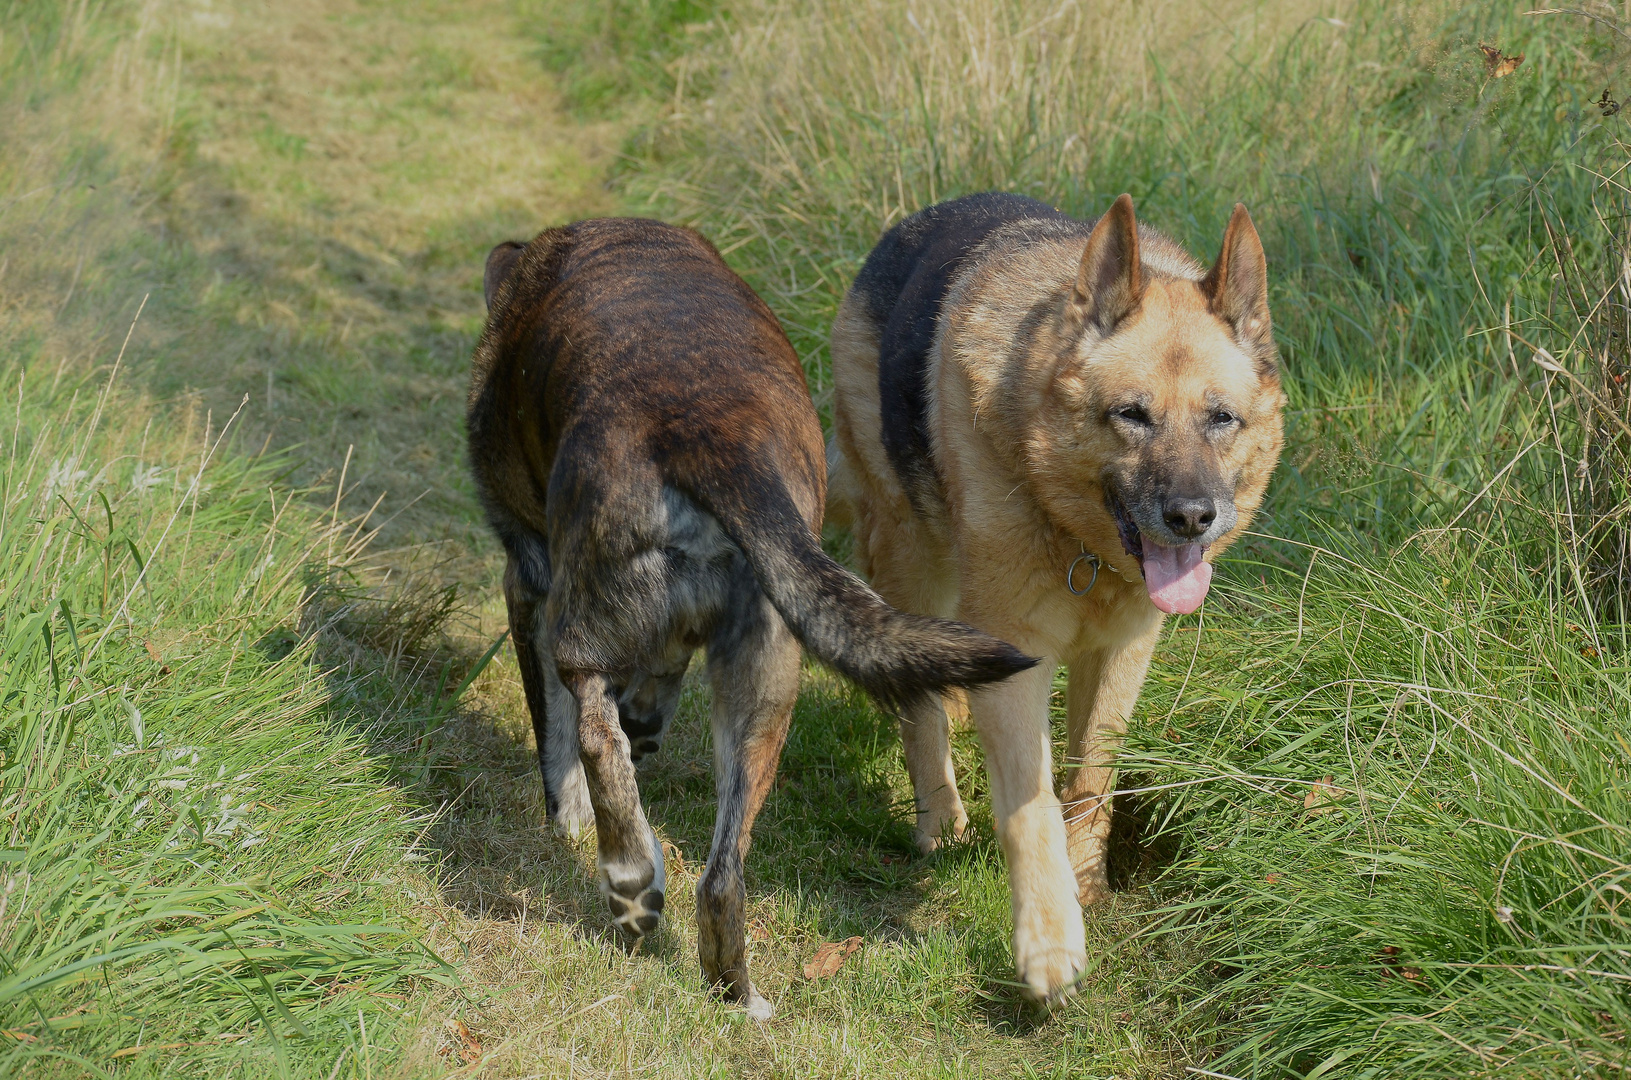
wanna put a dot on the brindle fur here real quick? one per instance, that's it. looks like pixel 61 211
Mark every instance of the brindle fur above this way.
pixel 645 446
pixel 1015 388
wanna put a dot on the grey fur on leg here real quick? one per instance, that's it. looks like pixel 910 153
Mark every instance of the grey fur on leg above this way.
pixel 571 811
pixel 553 710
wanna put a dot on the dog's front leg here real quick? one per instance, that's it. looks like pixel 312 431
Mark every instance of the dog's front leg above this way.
pixel 1050 944
pixel 1102 691
pixel 631 858
pixel 754 668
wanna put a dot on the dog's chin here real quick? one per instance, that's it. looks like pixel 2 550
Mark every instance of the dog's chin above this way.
pixel 1177 577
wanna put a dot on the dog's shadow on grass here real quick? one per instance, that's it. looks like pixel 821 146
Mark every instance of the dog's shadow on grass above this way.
pixel 833 853
pixel 829 828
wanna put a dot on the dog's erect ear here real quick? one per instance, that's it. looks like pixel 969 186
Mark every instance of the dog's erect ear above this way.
pixel 1237 287
pixel 1110 282
pixel 500 261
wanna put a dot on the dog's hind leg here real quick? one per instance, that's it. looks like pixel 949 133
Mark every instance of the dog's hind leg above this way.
pixel 753 664
pixel 910 571
pixel 631 858
pixel 566 798
pixel 1102 691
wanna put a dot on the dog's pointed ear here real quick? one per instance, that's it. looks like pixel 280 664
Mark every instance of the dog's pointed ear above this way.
pixel 500 261
pixel 1237 287
pixel 1110 281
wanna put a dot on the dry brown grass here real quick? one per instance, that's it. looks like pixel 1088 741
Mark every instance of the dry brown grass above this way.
pixel 809 128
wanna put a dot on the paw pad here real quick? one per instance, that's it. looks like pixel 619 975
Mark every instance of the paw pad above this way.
pixel 638 915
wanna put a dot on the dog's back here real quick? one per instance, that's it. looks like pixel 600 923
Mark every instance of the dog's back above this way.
pixel 625 365
pixel 901 286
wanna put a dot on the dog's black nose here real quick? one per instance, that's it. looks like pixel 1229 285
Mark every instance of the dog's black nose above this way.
pixel 1189 517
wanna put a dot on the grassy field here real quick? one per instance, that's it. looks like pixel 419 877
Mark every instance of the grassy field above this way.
pixel 267 791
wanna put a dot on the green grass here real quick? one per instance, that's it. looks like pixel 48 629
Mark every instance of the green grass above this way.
pixel 200 851
pixel 1376 812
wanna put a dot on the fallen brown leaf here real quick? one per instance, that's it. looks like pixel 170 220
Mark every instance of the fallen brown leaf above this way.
pixel 466 1044
pixel 830 957
pixel 164 669
pixel 1321 794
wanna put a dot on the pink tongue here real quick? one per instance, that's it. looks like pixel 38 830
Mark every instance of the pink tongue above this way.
pixel 1177 577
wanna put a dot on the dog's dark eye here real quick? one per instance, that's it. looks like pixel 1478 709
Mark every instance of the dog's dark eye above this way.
pixel 1222 417
pixel 1133 414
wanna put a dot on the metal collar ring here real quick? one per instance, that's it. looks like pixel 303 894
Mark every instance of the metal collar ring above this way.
pixel 1070 575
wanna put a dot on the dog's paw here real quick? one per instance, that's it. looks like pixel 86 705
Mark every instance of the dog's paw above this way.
pixel 573 814
pixel 573 823
pixel 1050 949
pixel 1087 838
pixel 1049 973
pixel 1092 888
pixel 634 892
pixel 638 915
pixel 932 834
pixel 757 1008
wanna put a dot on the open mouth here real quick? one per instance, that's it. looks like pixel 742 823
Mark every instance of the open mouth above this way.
pixel 1177 577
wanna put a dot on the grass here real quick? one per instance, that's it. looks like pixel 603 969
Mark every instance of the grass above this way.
pixel 1374 821
pixel 200 853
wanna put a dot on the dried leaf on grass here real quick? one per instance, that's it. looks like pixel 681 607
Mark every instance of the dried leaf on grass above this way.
pixel 465 1042
pixel 674 857
pixel 1497 64
pixel 830 957
pixel 1391 968
pixel 164 669
pixel 1322 794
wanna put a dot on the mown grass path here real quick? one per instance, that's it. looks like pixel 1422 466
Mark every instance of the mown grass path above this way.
pixel 339 172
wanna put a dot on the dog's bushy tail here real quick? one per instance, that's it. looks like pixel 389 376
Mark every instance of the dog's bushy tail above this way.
pixel 895 656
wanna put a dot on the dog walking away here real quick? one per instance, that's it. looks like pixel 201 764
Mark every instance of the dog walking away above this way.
pixel 645 446
pixel 1048 428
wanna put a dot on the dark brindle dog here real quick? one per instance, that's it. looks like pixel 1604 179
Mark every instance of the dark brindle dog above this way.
pixel 645 446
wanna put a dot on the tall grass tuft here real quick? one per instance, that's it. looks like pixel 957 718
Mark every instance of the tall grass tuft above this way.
pixel 201 867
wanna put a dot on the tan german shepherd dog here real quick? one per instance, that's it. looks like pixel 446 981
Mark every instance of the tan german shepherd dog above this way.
pixel 1047 428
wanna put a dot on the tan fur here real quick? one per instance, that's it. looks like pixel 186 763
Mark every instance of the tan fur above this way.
pixel 1018 391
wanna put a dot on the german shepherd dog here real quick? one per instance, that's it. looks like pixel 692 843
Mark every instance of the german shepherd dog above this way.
pixel 1047 428
pixel 645 447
